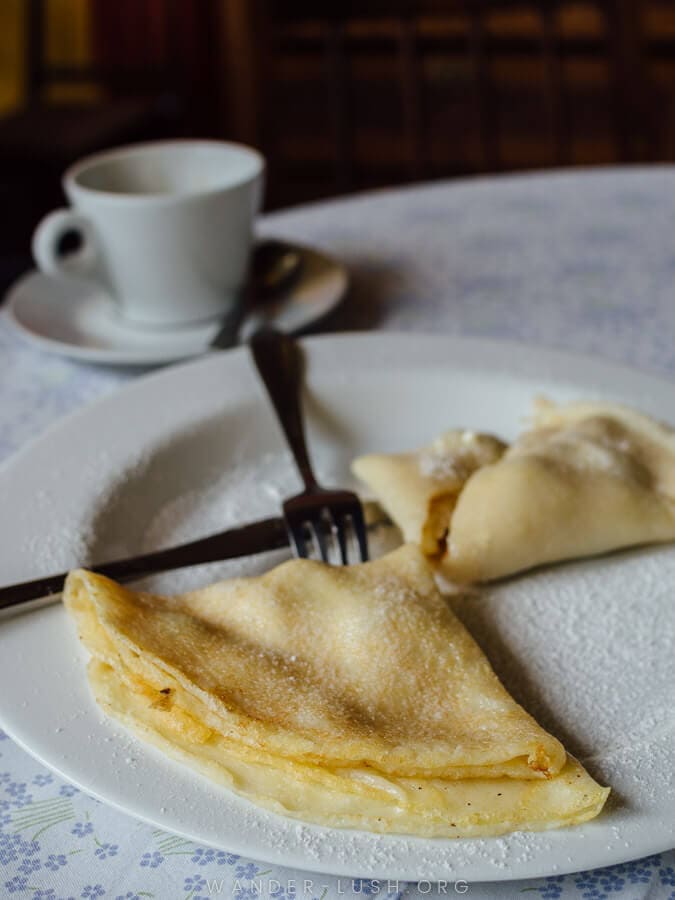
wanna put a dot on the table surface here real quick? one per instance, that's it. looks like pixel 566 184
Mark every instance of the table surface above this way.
pixel 582 260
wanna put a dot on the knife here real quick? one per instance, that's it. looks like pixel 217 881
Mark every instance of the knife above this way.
pixel 247 540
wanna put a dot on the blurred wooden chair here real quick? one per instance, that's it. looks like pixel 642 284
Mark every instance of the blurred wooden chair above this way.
pixel 448 86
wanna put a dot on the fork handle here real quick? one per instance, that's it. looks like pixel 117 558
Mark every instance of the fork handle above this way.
pixel 279 363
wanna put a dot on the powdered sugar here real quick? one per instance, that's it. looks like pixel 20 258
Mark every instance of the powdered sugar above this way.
pixel 588 648
pixel 247 490
pixel 456 454
pixel 254 487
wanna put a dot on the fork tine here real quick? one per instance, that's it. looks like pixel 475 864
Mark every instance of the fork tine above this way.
pixel 347 538
pixel 336 552
pixel 299 540
pixel 341 534
pixel 327 525
pixel 360 530
pixel 316 529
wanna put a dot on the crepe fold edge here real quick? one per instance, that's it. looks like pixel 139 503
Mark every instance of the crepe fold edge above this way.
pixel 384 804
pixel 544 756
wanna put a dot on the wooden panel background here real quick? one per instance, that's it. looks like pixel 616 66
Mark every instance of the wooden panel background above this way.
pixel 353 100
pixel 342 96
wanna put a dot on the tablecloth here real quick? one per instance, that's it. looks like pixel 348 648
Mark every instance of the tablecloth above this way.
pixel 582 260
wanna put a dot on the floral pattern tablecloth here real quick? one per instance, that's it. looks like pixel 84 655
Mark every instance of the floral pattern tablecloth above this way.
pixel 583 260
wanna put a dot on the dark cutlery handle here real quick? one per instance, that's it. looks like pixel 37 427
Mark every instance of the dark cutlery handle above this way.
pixel 279 362
pixel 268 534
pixel 228 334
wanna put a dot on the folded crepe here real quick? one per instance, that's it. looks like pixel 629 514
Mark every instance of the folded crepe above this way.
pixel 419 489
pixel 587 478
pixel 351 697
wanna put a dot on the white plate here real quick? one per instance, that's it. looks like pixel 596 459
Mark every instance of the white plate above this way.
pixel 73 320
pixel 587 647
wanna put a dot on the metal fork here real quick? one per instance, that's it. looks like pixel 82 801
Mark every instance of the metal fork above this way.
pixel 317 517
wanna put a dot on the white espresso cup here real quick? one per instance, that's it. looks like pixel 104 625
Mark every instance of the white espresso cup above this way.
pixel 165 228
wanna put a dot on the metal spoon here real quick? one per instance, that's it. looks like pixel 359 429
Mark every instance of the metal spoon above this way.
pixel 275 265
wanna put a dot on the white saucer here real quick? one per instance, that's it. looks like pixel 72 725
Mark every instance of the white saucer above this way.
pixel 69 319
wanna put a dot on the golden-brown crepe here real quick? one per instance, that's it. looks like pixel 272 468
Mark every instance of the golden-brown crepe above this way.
pixel 586 479
pixel 419 489
pixel 346 696
pixel 360 797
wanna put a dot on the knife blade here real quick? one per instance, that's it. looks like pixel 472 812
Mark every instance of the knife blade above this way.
pixel 246 540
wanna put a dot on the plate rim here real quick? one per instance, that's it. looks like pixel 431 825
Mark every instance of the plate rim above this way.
pixel 388 343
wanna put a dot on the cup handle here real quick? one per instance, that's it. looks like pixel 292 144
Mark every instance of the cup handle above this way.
pixel 84 263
